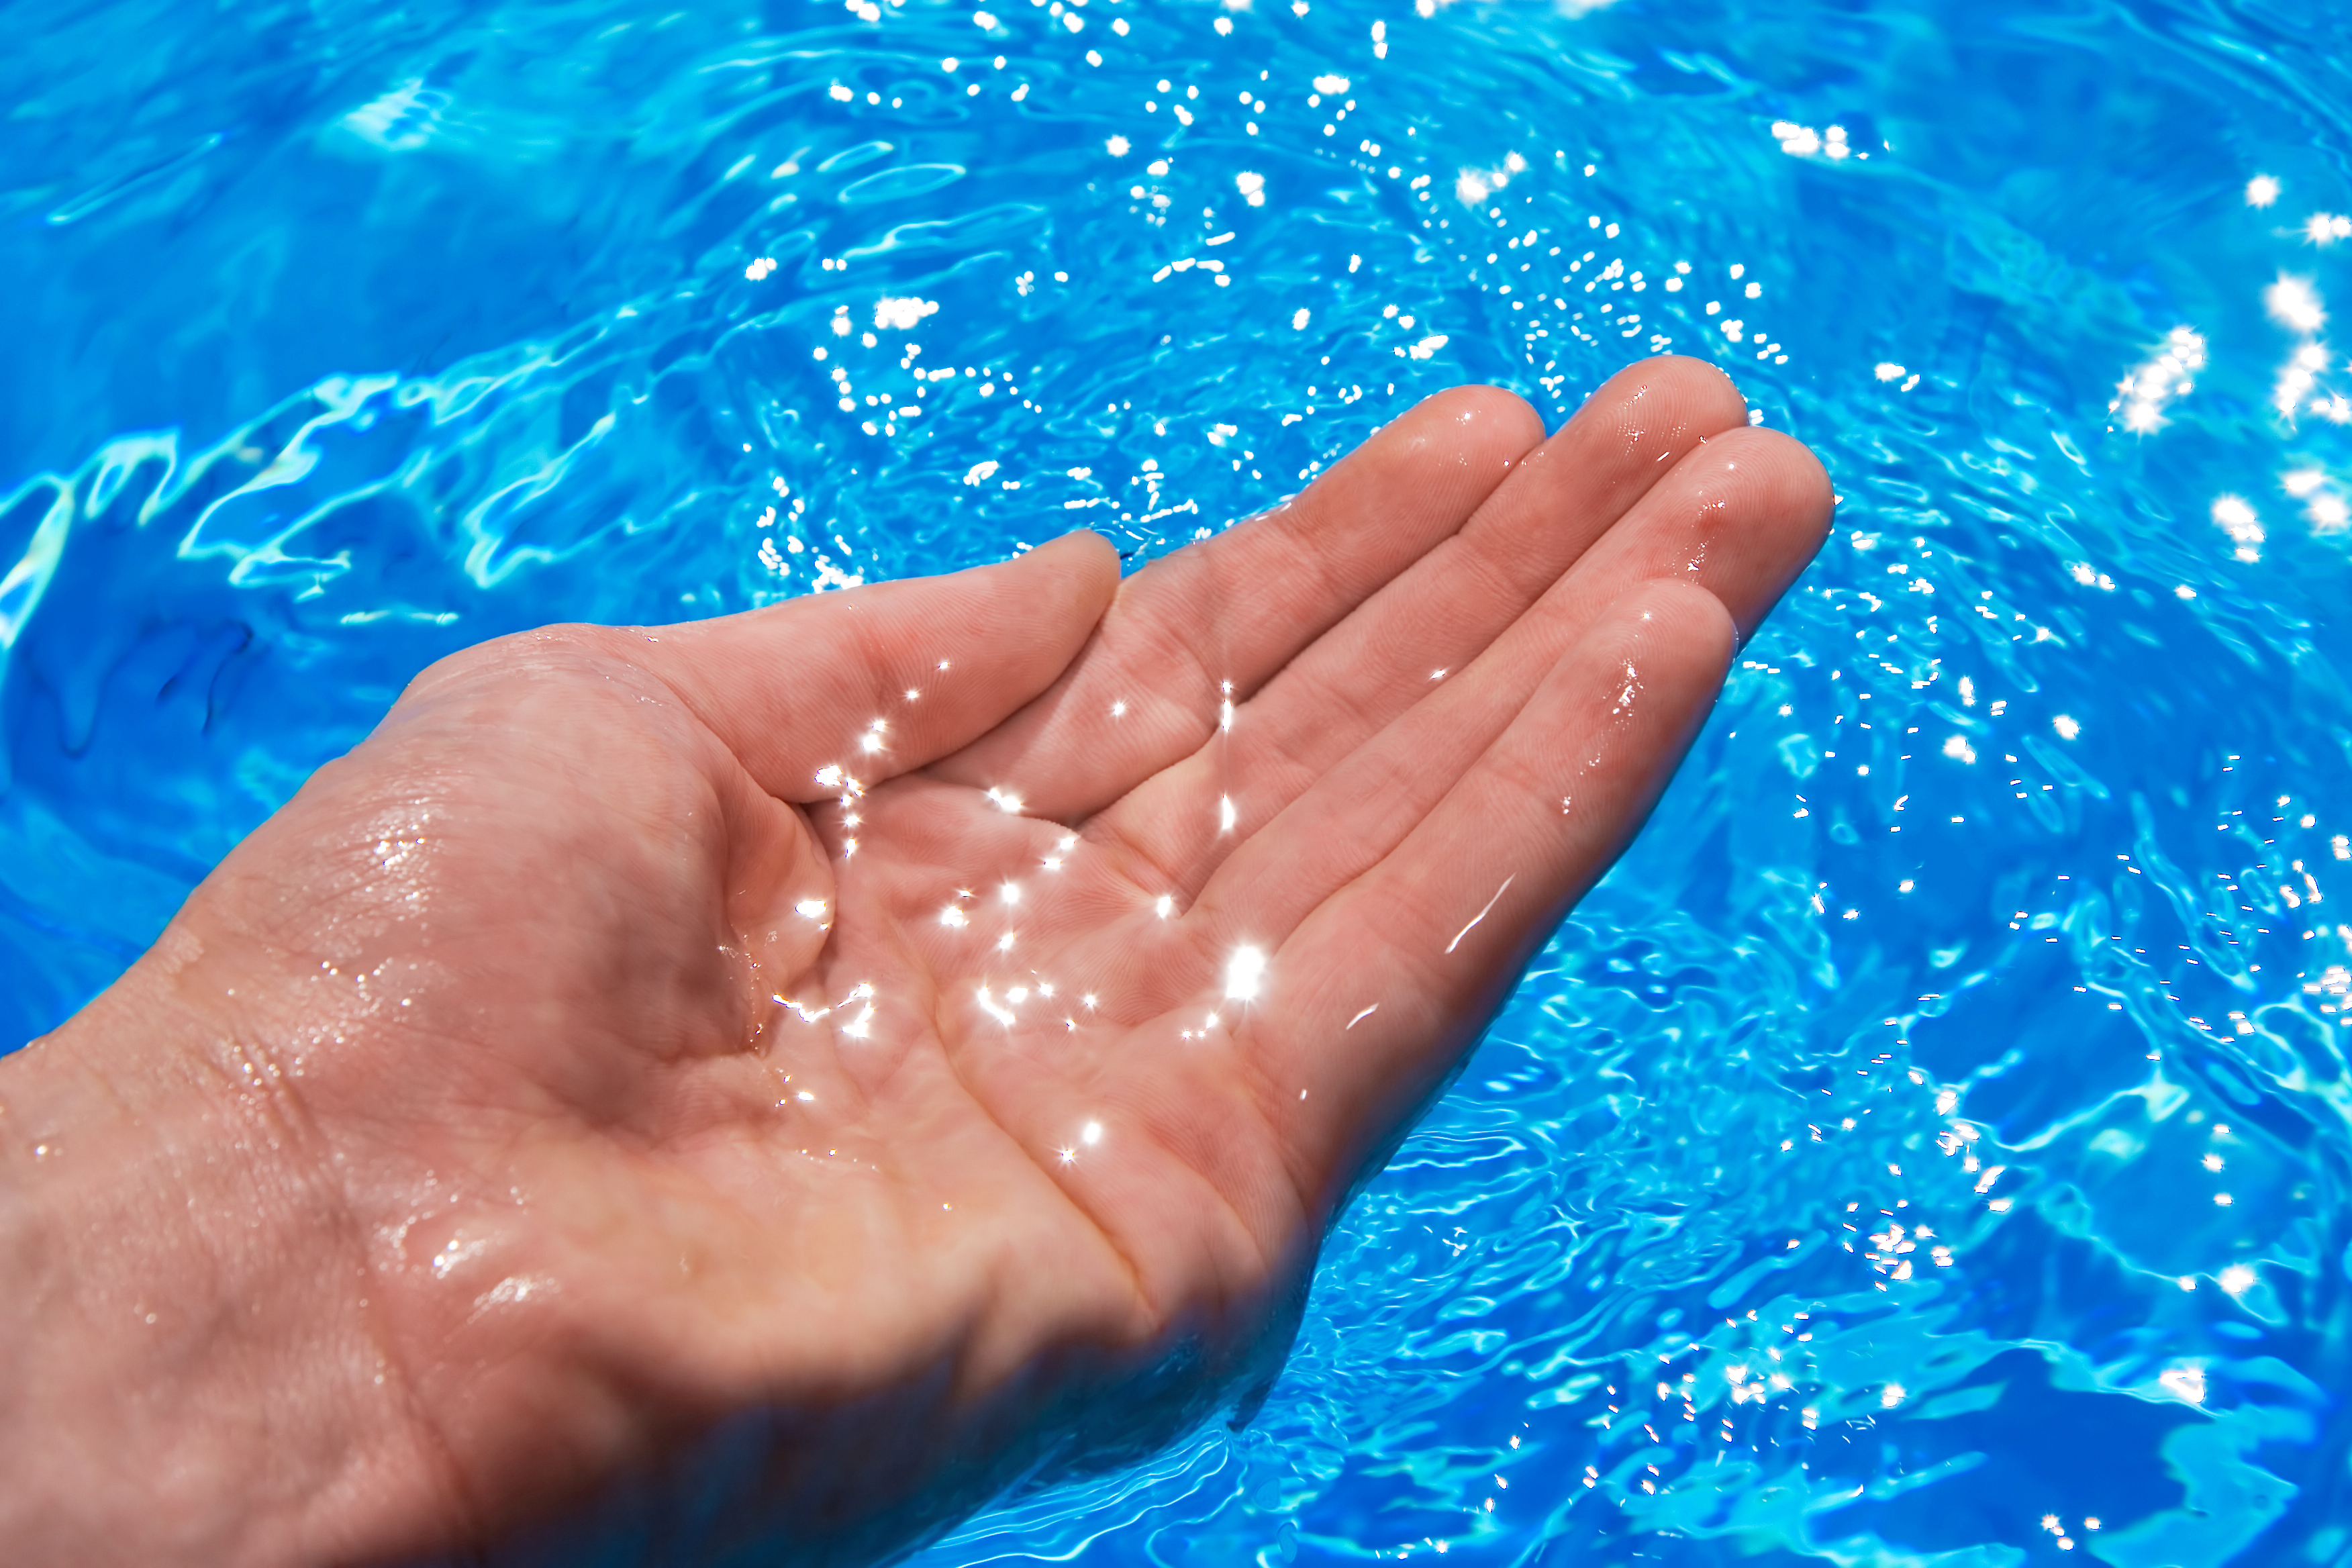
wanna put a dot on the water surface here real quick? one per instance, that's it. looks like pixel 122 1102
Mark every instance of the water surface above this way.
pixel 1929 1146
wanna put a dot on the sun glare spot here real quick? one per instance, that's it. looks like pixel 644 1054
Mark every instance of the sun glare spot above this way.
pixel 2293 302
pixel 1483 913
pixel 2236 519
pixel 2165 377
pixel 1245 973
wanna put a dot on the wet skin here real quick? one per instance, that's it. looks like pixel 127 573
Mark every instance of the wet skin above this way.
pixel 646 1032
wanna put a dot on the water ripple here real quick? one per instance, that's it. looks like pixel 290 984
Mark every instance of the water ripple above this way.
pixel 1930 1140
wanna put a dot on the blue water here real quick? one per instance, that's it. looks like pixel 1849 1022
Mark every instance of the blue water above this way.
pixel 1846 1182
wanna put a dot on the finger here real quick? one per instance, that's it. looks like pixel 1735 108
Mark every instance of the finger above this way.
pixel 881 679
pixel 1742 524
pixel 1369 999
pixel 1236 608
pixel 1437 616
pixel 1741 517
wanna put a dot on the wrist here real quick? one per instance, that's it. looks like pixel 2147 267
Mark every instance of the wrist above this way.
pixel 188 1348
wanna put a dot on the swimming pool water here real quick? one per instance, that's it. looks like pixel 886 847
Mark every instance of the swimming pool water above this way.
pixel 1930 1145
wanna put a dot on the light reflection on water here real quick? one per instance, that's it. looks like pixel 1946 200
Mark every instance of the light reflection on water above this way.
pixel 1930 1140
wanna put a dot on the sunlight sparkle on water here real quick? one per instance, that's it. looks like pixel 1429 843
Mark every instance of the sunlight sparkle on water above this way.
pixel 2238 519
pixel 2143 396
pixel 1343 259
pixel 2184 1380
pixel 2294 302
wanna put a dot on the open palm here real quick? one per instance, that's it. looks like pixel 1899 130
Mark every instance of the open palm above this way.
pixel 918 1015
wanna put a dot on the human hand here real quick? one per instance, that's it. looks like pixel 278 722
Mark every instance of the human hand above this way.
pixel 909 1016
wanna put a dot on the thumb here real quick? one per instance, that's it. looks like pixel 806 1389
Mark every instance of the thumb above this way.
pixel 879 680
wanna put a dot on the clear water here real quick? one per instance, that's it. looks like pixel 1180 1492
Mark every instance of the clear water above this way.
pixel 340 335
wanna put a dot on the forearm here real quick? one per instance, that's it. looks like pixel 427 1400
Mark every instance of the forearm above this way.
pixel 183 1331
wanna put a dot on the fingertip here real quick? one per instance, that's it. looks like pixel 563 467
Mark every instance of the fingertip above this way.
pixel 1797 501
pixel 1070 579
pixel 1762 501
pixel 1673 400
pixel 1635 430
pixel 1673 612
pixel 1700 373
pixel 1494 417
pixel 1811 498
pixel 1450 451
pixel 1064 586
pixel 1089 561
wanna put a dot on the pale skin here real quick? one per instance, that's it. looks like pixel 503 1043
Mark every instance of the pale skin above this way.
pixel 550 1083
